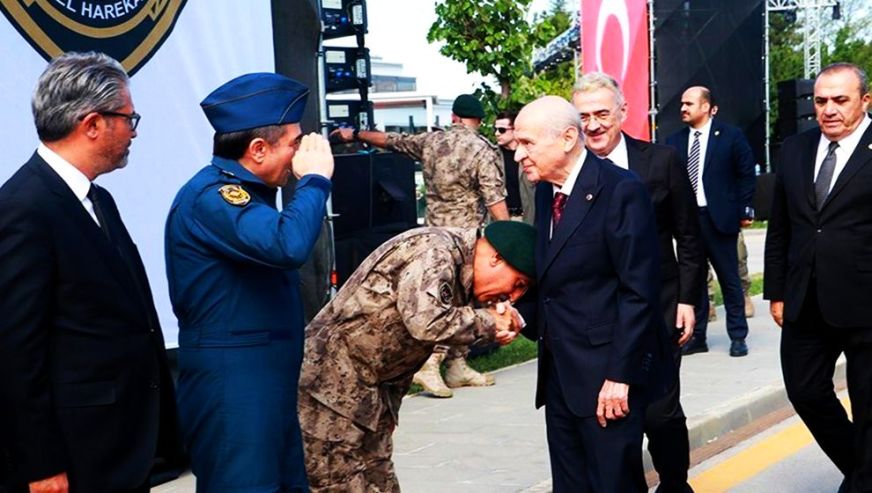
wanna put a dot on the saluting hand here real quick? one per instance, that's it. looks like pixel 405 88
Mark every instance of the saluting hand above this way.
pixel 313 157
pixel 54 484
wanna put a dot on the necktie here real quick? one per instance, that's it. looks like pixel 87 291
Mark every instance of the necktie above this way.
pixel 557 205
pixel 93 196
pixel 693 161
pixel 825 175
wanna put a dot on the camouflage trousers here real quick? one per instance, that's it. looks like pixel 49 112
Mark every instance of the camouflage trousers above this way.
pixel 452 352
pixel 344 457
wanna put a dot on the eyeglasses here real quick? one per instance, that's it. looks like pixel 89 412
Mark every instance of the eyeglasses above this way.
pixel 600 116
pixel 502 130
pixel 132 119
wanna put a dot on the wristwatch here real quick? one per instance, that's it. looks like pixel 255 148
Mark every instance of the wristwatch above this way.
pixel 356 134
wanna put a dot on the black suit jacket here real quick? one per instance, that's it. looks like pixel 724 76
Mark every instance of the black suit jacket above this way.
pixel 834 245
pixel 727 175
pixel 85 383
pixel 597 305
pixel 676 213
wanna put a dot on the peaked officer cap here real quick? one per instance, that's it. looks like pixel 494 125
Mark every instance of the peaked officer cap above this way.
pixel 514 241
pixel 255 100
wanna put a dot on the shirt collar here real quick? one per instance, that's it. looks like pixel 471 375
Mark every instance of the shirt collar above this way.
pixel 234 168
pixel 72 176
pixel 850 142
pixel 704 130
pixel 619 156
pixel 569 184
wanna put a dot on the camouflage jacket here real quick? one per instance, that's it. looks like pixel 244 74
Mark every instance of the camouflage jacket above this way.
pixel 413 292
pixel 463 173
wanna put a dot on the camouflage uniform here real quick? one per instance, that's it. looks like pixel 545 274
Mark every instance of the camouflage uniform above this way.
pixel 364 346
pixel 463 173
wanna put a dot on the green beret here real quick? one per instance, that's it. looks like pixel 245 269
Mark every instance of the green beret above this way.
pixel 467 106
pixel 514 241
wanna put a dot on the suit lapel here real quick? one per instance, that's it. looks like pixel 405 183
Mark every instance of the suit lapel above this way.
pixel 682 144
pixel 713 141
pixel 808 165
pixel 583 196
pixel 84 222
pixel 638 159
pixel 859 158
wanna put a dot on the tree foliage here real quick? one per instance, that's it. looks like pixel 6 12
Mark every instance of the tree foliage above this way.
pixel 845 40
pixel 492 37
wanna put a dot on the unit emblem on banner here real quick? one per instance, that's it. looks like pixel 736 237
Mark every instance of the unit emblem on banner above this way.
pixel 131 31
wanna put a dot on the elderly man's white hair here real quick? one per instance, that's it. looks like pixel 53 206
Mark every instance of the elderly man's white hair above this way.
pixel 593 81
pixel 554 113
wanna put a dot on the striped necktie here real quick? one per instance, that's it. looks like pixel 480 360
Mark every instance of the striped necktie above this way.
pixel 693 162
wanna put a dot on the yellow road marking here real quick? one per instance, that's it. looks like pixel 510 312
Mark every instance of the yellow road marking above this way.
pixel 755 459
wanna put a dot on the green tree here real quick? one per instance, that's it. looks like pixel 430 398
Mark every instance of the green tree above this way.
pixel 492 37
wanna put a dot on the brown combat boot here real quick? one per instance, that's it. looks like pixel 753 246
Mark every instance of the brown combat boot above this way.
pixel 749 307
pixel 459 374
pixel 430 378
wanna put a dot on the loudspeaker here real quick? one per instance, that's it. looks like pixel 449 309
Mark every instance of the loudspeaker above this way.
pixel 795 89
pixel 795 107
pixel 373 192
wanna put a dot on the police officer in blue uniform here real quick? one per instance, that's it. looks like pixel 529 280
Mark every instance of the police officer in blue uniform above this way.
pixel 232 261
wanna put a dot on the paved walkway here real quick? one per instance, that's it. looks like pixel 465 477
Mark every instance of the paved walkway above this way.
pixel 493 440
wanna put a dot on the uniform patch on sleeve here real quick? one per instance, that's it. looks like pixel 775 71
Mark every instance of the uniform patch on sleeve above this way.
pixel 234 195
pixel 445 293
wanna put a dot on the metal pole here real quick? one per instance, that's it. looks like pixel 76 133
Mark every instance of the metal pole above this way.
pixel 652 84
pixel 766 82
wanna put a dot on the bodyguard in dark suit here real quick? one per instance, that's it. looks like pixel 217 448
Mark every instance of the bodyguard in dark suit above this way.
pixel 819 269
pixel 602 109
pixel 721 170
pixel 89 403
pixel 597 313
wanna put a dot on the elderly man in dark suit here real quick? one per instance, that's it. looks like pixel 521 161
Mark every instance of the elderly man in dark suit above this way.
pixel 89 403
pixel 720 165
pixel 819 269
pixel 597 311
pixel 603 110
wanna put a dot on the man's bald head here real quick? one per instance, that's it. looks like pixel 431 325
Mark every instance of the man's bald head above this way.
pixel 548 132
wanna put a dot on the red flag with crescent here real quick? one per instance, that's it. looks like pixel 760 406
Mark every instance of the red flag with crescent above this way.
pixel 614 40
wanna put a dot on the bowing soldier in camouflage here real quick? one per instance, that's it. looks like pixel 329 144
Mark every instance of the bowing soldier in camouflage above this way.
pixel 463 174
pixel 363 348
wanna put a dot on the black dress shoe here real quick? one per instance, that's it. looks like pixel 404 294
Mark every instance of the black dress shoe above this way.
pixel 694 346
pixel 738 348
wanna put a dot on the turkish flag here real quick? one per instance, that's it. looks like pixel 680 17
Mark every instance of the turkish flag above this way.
pixel 614 40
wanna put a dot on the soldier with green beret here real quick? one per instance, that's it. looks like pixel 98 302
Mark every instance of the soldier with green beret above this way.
pixel 362 350
pixel 463 174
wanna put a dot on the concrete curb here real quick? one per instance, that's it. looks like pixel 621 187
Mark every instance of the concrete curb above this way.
pixel 741 411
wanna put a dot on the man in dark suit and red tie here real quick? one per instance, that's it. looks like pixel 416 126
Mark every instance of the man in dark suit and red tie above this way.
pixel 819 269
pixel 596 312
pixel 720 165
pixel 603 110
pixel 88 400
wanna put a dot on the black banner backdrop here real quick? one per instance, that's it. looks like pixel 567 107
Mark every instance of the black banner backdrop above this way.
pixel 717 44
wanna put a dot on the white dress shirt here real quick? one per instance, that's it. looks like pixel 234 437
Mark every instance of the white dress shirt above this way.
pixel 843 152
pixel 569 184
pixel 75 179
pixel 619 154
pixel 705 132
